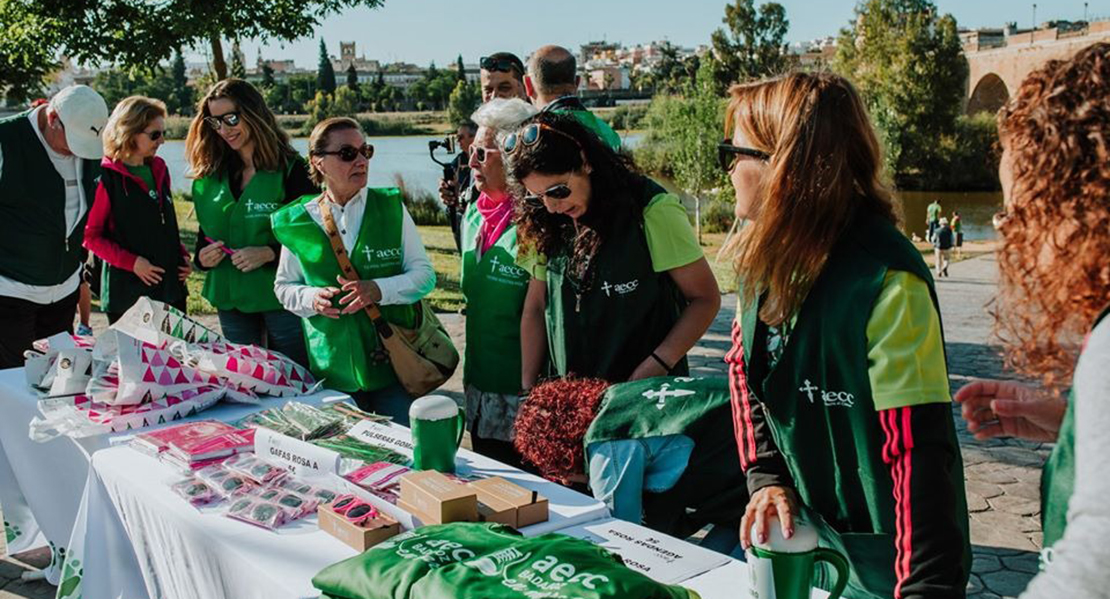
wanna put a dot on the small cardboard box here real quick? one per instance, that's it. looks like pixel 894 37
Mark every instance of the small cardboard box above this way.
pixel 436 499
pixel 360 538
pixel 492 509
pixel 531 507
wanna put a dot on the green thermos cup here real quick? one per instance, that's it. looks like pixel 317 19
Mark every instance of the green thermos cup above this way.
pixel 437 430
pixel 784 568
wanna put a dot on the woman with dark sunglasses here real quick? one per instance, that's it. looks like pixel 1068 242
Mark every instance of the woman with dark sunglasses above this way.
pixel 245 168
pixel 390 268
pixel 620 288
pixel 132 226
pixel 839 382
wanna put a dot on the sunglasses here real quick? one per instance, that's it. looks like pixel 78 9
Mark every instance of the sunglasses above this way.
pixel 155 135
pixel 500 65
pixel 727 154
pixel 231 119
pixel 481 153
pixel 558 192
pixel 530 136
pixel 355 510
pixel 349 153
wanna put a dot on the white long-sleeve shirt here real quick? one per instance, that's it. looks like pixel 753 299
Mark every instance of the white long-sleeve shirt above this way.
pixel 1078 565
pixel 417 280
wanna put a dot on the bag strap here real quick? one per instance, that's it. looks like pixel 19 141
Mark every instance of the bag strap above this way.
pixel 348 269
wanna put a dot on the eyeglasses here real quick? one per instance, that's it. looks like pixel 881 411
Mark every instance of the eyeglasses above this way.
pixel 154 135
pixel 349 153
pixel 481 153
pixel 355 510
pixel 501 65
pixel 556 192
pixel 727 154
pixel 530 135
pixel 231 119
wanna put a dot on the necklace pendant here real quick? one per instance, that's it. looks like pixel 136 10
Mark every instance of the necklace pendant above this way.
pixel 577 302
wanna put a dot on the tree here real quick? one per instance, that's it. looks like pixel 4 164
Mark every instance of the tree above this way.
pixel 352 78
pixel 135 33
pixel 752 47
pixel 238 69
pixel 267 75
pixel 182 93
pixel 908 64
pixel 460 69
pixel 325 72
pixel 28 49
pixel 464 100
pixel 345 102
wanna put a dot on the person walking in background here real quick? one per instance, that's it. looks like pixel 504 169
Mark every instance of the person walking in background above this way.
pixel 842 411
pixel 245 168
pixel 932 220
pixel 49 164
pixel 620 288
pixel 552 83
pixel 383 245
pixel 1053 300
pixel 958 231
pixel 494 288
pixel 942 246
pixel 133 226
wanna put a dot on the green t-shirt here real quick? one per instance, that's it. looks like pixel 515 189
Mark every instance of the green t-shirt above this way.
pixel 143 172
pixel 670 238
pixel 933 211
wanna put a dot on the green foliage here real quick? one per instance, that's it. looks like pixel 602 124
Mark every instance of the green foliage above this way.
pixel 908 63
pixel 627 117
pixel 968 157
pixel 752 46
pixel 460 70
pixel 27 49
pixel 423 205
pixel 670 74
pixel 325 72
pixel 464 100
pixel 116 85
pixel 267 75
pixel 184 96
pixel 352 78
pixel 238 69
pixel 719 213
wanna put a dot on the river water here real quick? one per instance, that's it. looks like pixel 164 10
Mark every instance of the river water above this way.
pixel 407 156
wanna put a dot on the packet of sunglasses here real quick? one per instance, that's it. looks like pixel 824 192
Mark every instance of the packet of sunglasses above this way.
pixel 298 486
pixel 312 422
pixel 255 468
pixel 225 482
pixel 259 512
pixel 195 491
pixel 299 505
pixel 350 447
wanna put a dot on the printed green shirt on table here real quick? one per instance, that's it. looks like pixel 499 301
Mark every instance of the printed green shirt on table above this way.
pixel 345 350
pixel 240 223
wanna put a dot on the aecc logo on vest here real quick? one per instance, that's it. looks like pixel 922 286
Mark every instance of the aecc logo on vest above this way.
pixel 386 255
pixel 260 208
pixel 506 270
pixel 620 288
pixel 842 399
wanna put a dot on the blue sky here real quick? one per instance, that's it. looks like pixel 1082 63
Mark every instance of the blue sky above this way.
pixel 420 31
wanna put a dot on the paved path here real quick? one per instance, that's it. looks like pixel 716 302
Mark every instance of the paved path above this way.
pixel 1002 476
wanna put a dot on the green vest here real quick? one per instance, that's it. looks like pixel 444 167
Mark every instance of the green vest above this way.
pixel 607 330
pixel 494 287
pixel 345 350
pixel 712 489
pixel 240 223
pixel 35 247
pixel 818 404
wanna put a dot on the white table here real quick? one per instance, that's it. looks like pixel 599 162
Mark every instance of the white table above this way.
pixel 41 484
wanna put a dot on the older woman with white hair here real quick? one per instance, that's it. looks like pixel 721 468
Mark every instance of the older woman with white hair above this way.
pixel 494 287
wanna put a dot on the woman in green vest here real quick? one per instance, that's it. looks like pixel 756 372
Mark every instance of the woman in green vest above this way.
pixel 132 225
pixel 620 288
pixel 1054 289
pixel 381 242
pixel 494 287
pixel 839 382
pixel 244 169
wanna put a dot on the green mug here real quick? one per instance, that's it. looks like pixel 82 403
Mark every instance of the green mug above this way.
pixel 437 429
pixel 784 568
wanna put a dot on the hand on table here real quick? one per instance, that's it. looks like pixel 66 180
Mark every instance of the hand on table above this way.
pixel 359 294
pixel 1009 409
pixel 147 272
pixel 767 502
pixel 249 258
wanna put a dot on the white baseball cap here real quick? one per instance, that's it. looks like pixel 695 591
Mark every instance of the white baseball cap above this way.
pixel 83 113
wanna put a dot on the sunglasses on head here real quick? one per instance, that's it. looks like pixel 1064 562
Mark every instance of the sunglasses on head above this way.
pixel 349 153
pixel 481 153
pixel 556 192
pixel 727 154
pixel 500 65
pixel 155 135
pixel 530 135
pixel 231 119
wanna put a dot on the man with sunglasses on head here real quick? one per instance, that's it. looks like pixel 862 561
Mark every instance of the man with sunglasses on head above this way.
pixel 49 166
pixel 552 83
pixel 502 76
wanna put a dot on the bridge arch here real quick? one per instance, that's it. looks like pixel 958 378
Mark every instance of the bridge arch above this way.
pixel 989 94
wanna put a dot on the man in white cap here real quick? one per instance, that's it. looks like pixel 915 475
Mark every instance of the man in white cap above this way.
pixel 49 165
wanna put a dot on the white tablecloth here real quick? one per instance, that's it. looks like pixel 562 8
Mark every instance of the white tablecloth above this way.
pixel 41 484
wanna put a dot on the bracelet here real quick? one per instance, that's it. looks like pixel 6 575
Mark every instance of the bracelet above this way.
pixel 661 362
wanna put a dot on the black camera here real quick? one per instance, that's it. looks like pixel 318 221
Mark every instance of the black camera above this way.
pixel 448 145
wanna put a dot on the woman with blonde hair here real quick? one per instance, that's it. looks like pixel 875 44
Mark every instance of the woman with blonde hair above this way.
pixel 379 239
pixel 1053 299
pixel 245 169
pixel 132 226
pixel 838 375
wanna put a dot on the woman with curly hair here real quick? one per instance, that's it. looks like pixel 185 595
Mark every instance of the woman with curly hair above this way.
pixel 1055 288
pixel 839 382
pixel 620 288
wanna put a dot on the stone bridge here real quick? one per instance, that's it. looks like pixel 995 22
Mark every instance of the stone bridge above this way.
pixel 1000 59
